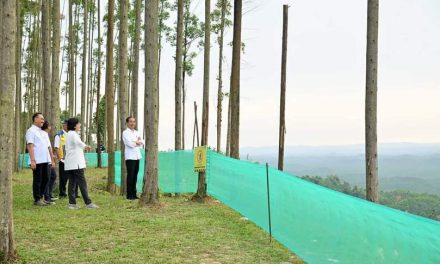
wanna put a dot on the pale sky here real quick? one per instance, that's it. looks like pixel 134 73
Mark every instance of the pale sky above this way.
pixel 325 74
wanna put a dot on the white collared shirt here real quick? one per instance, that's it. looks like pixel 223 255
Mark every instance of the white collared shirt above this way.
pixel 46 136
pixel 132 151
pixel 35 136
pixel 74 158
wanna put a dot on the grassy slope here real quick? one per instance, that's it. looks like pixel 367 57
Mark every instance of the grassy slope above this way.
pixel 178 231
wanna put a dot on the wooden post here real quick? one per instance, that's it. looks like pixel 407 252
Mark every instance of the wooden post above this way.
pixel 282 130
pixel 196 126
pixel 371 103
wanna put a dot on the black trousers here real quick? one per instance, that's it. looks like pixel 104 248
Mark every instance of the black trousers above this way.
pixel 64 178
pixel 51 183
pixel 77 179
pixel 40 180
pixel 132 172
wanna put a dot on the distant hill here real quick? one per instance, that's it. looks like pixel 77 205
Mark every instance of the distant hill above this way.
pixel 405 166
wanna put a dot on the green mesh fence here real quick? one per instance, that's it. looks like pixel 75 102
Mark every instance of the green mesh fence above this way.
pixel 176 173
pixel 318 224
pixel 321 225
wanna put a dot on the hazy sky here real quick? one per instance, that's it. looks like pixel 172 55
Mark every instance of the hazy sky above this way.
pixel 325 74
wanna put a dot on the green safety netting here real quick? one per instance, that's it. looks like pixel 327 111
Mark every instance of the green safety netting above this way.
pixel 318 224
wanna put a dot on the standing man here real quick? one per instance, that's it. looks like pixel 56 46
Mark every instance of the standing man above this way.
pixel 59 143
pixel 133 142
pixel 39 158
pixel 48 198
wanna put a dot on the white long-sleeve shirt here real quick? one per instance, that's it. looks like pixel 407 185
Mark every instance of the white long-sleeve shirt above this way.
pixel 132 151
pixel 74 158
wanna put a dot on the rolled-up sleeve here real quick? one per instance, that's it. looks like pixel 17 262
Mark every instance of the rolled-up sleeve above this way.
pixel 57 143
pixel 30 137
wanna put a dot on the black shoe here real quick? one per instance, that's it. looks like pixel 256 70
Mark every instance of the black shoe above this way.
pixel 40 203
pixel 49 202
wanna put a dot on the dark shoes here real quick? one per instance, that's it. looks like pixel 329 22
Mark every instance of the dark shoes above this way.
pixel 40 203
pixel 132 198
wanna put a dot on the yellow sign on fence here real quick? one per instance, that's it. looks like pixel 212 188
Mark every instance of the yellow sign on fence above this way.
pixel 200 159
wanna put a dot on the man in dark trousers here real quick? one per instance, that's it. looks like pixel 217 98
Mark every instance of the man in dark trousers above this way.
pixel 133 142
pixel 39 158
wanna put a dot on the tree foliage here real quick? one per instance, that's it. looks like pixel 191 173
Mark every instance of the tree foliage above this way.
pixel 423 204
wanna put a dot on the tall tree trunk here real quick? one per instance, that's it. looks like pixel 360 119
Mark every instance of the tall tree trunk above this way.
pixel 110 99
pixel 47 88
pixel 84 69
pixel 137 40
pixel 98 91
pixel 178 78
pixel 150 190
pixel 91 79
pixel 183 117
pixel 71 61
pixel 18 88
pixel 228 133
pixel 56 67
pixel 76 31
pixel 282 130
pixel 235 82
pixel 220 75
pixel 123 85
pixel 371 102
pixel 8 27
pixel 201 189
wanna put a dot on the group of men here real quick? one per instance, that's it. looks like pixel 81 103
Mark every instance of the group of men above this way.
pixel 43 159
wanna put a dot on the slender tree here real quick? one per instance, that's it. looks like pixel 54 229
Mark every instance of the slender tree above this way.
pixel 123 84
pixel 235 82
pixel 17 141
pixel 221 20
pixel 192 31
pixel 90 76
pixel 109 94
pixel 84 68
pixel 8 27
pixel 136 45
pixel 201 189
pixel 282 130
pixel 178 78
pixel 228 132
pixel 71 75
pixel 150 190
pixel 55 96
pixel 47 88
pixel 371 102
pixel 98 91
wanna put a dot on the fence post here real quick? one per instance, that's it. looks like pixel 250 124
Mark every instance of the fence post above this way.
pixel 268 201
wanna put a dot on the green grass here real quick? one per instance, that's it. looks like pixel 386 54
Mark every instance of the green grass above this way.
pixel 177 231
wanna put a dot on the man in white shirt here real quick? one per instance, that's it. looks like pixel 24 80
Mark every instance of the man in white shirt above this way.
pixel 133 142
pixel 39 158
